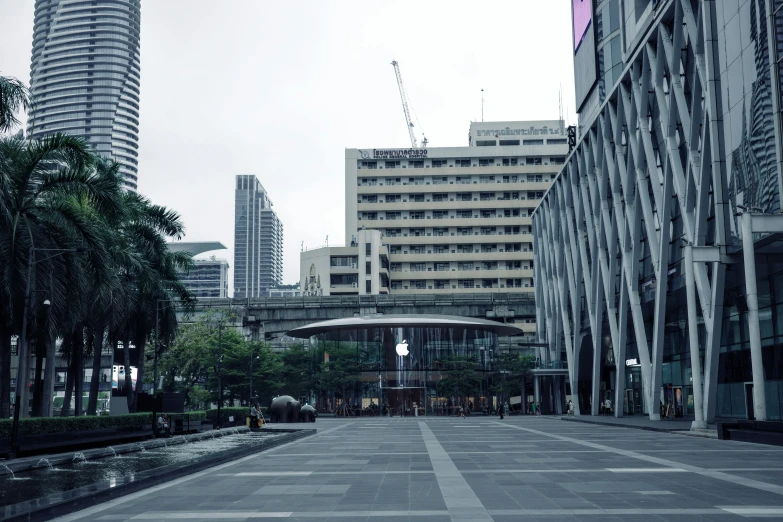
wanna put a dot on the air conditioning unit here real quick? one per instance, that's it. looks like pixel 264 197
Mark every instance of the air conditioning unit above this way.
pixel 353 265
pixel 355 285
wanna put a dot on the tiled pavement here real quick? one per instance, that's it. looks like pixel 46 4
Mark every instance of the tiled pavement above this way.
pixel 478 468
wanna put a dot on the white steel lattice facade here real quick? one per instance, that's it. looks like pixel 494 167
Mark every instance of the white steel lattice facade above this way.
pixel 659 199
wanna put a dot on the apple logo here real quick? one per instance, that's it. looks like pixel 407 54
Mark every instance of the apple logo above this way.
pixel 402 348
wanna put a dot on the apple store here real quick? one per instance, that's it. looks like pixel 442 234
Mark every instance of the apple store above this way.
pixel 399 361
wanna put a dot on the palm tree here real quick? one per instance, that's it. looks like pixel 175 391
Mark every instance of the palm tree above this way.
pixel 46 184
pixel 14 97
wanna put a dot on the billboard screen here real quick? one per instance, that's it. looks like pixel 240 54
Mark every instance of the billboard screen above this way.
pixel 583 14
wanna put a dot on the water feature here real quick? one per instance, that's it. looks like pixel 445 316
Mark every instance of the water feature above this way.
pixel 13 477
pixel 45 461
pixel 82 471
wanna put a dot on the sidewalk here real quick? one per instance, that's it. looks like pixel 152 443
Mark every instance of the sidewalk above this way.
pixel 643 422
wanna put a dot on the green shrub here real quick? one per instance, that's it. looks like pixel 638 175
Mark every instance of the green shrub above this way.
pixel 238 413
pixel 43 425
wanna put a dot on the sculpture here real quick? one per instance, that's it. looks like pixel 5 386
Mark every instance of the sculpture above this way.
pixel 307 414
pixel 284 409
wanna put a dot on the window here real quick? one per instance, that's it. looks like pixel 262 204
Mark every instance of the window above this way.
pixel 368 267
pixel 418 267
pixel 441 267
pixel 465 197
pixel 438 163
pixel 557 160
pixel 465 283
pixel 393 215
pixel 418 285
pixel 486 143
pixel 368 287
pixel 439 214
pixel 369 164
pixel 368 249
pixel 418 164
pixel 440 197
pixel 486 162
pixel 392 198
pixel 509 142
pixel 463 163
pixel 417 198
pixel 559 141
pixel 440 284
pixel 417 215
pixel 533 161
pixel 533 142
pixel 396 267
pixel 392 165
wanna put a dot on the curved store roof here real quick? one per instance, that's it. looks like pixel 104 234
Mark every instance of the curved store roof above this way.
pixel 403 321
pixel 195 247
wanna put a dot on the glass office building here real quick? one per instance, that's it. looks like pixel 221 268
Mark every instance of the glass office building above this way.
pixel 659 247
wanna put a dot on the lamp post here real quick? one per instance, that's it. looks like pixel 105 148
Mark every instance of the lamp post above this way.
pixel 23 373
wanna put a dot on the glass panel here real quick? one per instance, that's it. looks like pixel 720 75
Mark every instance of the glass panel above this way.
pixel 772 392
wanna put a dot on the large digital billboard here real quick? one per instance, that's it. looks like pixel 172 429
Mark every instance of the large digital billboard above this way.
pixel 583 14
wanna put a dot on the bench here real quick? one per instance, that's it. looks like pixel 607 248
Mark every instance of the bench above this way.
pixel 759 432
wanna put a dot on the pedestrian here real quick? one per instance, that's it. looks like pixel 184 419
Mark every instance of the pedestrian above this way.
pixel 608 406
pixel 501 410
pixel 570 408
pixel 253 417
pixel 461 411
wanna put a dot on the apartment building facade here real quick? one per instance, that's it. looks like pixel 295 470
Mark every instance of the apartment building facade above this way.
pixel 457 219
pixel 358 268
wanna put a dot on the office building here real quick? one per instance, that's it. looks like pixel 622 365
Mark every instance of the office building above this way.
pixel 294 290
pixel 658 249
pixel 206 278
pixel 358 268
pixel 85 76
pixel 258 240
pixel 457 219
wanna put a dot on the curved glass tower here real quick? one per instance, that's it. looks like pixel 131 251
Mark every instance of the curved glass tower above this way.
pixel 84 76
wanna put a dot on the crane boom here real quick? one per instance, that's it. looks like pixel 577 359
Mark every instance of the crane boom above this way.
pixel 404 99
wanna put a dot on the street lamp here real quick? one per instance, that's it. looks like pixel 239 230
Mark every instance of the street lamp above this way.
pixel 23 373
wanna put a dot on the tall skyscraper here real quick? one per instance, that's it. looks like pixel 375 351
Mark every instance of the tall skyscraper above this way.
pixel 258 240
pixel 84 76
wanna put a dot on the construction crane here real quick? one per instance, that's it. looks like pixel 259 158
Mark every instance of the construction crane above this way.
pixel 405 110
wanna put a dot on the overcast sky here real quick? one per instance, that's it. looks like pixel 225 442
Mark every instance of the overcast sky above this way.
pixel 280 89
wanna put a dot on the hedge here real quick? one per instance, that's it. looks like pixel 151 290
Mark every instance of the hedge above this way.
pixel 238 413
pixel 43 425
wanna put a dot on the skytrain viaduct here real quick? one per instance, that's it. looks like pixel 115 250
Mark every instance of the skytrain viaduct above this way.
pixel 276 315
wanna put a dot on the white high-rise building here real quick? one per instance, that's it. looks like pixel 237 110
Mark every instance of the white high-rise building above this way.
pixel 85 75
pixel 457 219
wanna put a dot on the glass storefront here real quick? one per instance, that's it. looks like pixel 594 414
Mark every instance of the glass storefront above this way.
pixel 402 368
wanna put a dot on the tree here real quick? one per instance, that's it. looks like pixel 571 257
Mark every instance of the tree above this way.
pixel 14 97
pixel 459 377
pixel 297 371
pixel 512 369
pixel 97 253
pixel 341 371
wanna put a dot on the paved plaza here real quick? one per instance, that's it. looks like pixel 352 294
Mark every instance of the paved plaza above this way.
pixel 477 468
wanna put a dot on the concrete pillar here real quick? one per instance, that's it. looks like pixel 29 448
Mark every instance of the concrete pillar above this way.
pixel 693 341
pixel 751 294
pixel 537 390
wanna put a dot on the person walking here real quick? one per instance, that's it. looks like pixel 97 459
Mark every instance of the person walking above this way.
pixel 501 410
pixel 253 417
pixel 608 406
